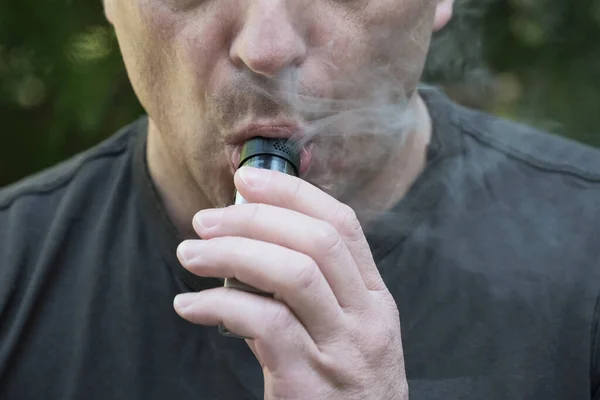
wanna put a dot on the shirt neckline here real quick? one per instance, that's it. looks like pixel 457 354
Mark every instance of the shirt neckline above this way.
pixel 392 227
pixel 161 229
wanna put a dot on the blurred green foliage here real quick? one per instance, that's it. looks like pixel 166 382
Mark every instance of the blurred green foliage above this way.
pixel 63 86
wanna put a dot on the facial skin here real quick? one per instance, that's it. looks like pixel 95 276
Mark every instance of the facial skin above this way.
pixel 201 69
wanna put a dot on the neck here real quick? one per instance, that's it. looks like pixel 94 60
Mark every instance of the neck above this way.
pixel 404 166
pixel 173 181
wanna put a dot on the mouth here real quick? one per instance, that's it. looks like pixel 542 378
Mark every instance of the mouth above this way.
pixel 281 130
pixel 275 130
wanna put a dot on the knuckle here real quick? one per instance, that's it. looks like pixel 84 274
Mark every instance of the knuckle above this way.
pixel 330 365
pixel 382 338
pixel 280 318
pixel 347 221
pixel 327 239
pixel 307 274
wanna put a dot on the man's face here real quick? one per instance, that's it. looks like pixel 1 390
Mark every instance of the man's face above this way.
pixel 211 73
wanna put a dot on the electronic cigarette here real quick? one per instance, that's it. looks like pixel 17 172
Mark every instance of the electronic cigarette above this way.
pixel 274 154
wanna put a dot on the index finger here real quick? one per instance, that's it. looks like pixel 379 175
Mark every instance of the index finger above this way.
pixel 286 191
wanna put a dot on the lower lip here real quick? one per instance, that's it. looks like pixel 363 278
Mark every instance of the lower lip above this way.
pixel 305 157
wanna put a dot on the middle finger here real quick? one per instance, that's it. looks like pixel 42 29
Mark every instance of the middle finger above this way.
pixel 292 277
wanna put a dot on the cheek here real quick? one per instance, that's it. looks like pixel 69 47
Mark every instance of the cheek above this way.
pixel 400 29
pixel 383 29
pixel 202 47
pixel 143 27
pixel 385 41
pixel 169 54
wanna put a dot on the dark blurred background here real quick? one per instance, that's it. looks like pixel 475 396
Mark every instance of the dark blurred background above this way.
pixel 63 87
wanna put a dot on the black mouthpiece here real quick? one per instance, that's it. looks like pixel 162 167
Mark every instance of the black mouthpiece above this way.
pixel 261 146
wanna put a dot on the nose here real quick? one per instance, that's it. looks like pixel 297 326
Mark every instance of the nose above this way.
pixel 268 41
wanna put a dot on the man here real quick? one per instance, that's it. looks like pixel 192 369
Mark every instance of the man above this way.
pixel 427 249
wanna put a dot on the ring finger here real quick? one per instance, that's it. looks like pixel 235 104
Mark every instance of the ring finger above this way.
pixel 279 339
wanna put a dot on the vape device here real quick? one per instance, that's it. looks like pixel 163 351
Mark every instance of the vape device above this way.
pixel 274 154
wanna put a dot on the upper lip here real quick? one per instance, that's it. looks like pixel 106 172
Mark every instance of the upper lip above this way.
pixel 274 129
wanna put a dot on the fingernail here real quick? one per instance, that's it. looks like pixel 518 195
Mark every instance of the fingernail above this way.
pixel 255 177
pixel 183 300
pixel 209 218
pixel 188 250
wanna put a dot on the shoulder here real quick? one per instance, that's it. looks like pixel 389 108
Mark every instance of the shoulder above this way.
pixel 546 183
pixel 544 152
pixel 56 180
pixel 528 186
pixel 41 209
pixel 538 196
pixel 50 222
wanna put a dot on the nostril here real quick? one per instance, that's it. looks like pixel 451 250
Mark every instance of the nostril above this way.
pixel 267 48
pixel 268 57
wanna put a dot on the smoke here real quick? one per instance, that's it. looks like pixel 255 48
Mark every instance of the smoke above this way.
pixel 354 137
pixel 354 131
pixel 381 110
pixel 357 132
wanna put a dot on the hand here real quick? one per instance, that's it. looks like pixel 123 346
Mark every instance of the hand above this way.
pixel 331 330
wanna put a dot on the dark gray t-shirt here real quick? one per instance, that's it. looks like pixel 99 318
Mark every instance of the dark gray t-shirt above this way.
pixel 493 258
